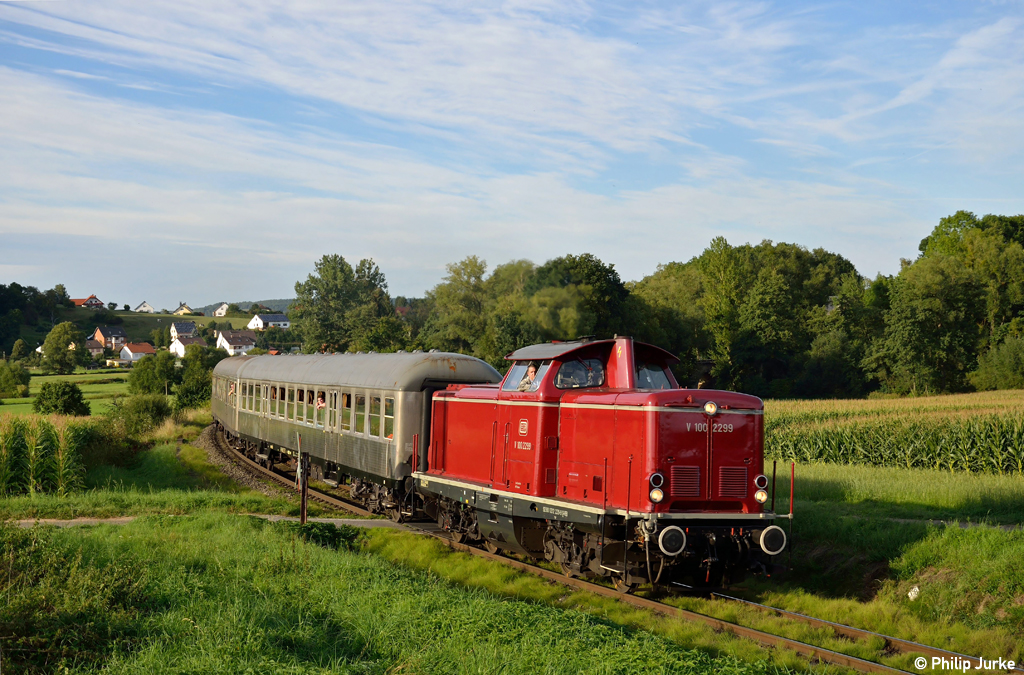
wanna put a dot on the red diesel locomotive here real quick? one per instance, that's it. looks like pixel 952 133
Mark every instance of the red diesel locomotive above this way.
pixel 604 465
pixel 587 453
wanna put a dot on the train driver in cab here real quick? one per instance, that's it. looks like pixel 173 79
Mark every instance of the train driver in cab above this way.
pixel 529 381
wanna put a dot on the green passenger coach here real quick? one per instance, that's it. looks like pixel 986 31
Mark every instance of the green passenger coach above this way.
pixel 362 418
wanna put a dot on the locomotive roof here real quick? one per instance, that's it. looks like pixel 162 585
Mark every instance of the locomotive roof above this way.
pixel 403 371
pixel 554 350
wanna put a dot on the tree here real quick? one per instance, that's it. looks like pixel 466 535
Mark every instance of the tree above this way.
pixel 161 337
pixel 234 310
pixel 457 319
pixel 197 380
pixel 60 398
pixel 1001 367
pixel 931 329
pixel 127 307
pixel 339 308
pixel 154 374
pixel 20 350
pixel 112 306
pixel 58 357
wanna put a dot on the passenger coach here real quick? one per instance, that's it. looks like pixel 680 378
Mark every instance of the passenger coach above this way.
pixel 359 416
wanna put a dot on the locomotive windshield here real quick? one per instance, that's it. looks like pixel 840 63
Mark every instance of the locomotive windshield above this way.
pixel 651 376
pixel 580 373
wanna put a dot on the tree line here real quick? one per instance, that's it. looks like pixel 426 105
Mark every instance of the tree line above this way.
pixel 773 319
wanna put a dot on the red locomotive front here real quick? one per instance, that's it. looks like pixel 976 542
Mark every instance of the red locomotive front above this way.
pixel 588 454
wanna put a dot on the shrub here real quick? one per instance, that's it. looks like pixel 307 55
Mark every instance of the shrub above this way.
pixel 154 374
pixel 60 398
pixel 14 380
pixel 138 414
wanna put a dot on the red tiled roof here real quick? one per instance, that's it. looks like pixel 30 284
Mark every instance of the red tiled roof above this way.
pixel 140 348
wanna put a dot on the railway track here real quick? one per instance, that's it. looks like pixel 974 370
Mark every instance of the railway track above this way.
pixel 812 653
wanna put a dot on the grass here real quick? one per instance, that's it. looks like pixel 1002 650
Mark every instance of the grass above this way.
pixel 99 390
pixel 888 492
pixel 220 593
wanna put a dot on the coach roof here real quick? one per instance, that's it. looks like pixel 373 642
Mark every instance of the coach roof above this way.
pixel 555 350
pixel 403 371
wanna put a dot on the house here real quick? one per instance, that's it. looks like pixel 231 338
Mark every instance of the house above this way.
pixel 183 329
pixel 265 321
pixel 222 309
pixel 181 344
pixel 110 337
pixel 94 347
pixel 182 310
pixel 145 307
pixel 133 351
pixel 92 302
pixel 236 342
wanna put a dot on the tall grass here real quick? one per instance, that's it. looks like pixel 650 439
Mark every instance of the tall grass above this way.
pixel 12 455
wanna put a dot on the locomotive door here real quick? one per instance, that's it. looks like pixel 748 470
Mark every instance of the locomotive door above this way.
pixel 735 455
pixel 518 433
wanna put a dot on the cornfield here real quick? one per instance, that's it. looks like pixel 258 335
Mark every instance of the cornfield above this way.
pixel 40 455
pixel 977 433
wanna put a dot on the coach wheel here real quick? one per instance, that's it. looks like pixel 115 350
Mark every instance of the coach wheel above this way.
pixel 621 586
pixel 395 514
pixel 567 570
pixel 490 546
pixel 458 537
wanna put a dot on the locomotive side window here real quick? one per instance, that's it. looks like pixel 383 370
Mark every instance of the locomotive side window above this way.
pixel 346 411
pixel 579 374
pixel 651 376
pixel 360 413
pixel 389 418
pixel 375 416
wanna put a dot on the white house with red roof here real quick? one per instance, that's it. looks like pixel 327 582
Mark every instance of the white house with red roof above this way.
pixel 133 351
pixel 92 302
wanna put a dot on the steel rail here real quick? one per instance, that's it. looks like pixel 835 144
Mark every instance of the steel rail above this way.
pixel 809 651
pixel 904 646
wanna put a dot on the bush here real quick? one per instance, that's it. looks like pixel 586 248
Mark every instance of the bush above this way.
pixel 154 374
pixel 1001 367
pixel 13 380
pixel 138 414
pixel 60 398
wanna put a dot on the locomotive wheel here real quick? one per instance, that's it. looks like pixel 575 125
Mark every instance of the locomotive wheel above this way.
pixel 490 547
pixel 568 571
pixel 621 586
pixel 459 537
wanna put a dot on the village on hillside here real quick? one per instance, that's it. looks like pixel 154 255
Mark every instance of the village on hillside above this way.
pixel 118 343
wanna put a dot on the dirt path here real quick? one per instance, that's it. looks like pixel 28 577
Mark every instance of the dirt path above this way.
pixel 124 520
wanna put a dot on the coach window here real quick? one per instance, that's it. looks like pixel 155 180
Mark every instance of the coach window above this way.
pixel 389 418
pixel 320 403
pixel 346 411
pixel 282 397
pixel 310 407
pixel 291 404
pixel 360 413
pixel 259 397
pixel 375 416
pixel 332 406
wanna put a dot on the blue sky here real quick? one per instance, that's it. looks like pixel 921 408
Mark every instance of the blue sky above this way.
pixel 200 151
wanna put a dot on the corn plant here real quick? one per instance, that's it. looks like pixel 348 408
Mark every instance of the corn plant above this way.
pixel 68 439
pixel 39 444
pixel 12 455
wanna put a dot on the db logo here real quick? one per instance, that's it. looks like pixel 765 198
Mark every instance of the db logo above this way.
pixel 524 426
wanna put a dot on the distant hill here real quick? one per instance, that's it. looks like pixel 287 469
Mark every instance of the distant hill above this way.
pixel 279 305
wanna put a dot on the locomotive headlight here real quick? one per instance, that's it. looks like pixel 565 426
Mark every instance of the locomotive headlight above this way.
pixel 761 496
pixel 657 495
pixel 761 481
pixel 710 408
